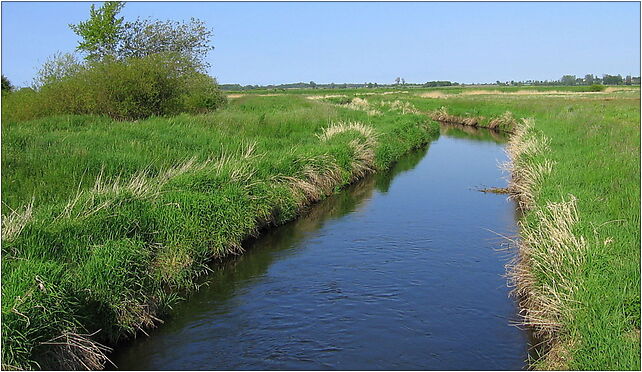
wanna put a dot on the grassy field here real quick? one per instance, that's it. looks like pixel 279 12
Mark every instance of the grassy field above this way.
pixel 106 224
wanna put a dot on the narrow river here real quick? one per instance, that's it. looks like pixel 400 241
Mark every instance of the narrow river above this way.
pixel 403 270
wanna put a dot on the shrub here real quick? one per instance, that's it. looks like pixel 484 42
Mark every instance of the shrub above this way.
pixel 135 89
pixel 596 88
pixel 21 105
pixel 202 94
pixel 156 85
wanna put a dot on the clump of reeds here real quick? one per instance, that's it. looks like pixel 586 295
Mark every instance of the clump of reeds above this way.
pixel 343 126
pixel 401 106
pixel 72 351
pixel 526 176
pixel 354 103
pixel 319 176
pixel 549 254
pixel 442 115
pixel 363 161
pixel 506 121
pixel 362 105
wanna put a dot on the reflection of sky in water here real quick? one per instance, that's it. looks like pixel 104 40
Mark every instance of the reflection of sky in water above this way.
pixel 401 271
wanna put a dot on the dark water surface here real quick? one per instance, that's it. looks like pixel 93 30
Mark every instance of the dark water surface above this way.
pixel 400 271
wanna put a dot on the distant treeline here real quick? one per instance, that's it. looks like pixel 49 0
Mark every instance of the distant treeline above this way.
pixel 313 85
pixel 571 80
pixel 568 80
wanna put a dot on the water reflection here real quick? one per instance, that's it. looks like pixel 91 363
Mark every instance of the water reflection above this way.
pixel 472 133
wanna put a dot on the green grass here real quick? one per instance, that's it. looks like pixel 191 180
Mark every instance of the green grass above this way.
pixel 109 256
pixel 595 147
pixel 594 144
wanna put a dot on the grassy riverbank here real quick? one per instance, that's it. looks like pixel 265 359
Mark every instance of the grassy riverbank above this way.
pixel 576 171
pixel 106 223
pixel 576 174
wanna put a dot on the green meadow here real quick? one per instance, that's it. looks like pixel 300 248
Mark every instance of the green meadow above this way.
pixel 107 224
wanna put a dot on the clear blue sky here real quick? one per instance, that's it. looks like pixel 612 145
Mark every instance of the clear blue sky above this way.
pixel 264 43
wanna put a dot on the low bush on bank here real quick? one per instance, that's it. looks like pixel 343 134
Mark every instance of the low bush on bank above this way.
pixel 135 88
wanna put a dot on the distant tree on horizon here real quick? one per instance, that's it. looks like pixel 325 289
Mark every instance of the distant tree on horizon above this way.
pixel 568 80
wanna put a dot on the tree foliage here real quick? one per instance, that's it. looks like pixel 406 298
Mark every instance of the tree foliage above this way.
pixel 56 68
pixel 612 79
pixel 102 32
pixel 6 84
pixel 190 40
pixel 136 88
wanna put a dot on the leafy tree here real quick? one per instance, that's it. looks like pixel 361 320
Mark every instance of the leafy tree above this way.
pixel 190 40
pixel 313 85
pixel 105 35
pixel 102 32
pixel 588 79
pixel 6 84
pixel 397 80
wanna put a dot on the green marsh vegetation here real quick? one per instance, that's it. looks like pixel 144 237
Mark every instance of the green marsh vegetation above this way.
pixel 580 257
pixel 576 175
pixel 115 224
pixel 108 222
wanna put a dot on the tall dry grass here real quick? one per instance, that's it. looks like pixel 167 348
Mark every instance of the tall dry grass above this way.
pixel 549 253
